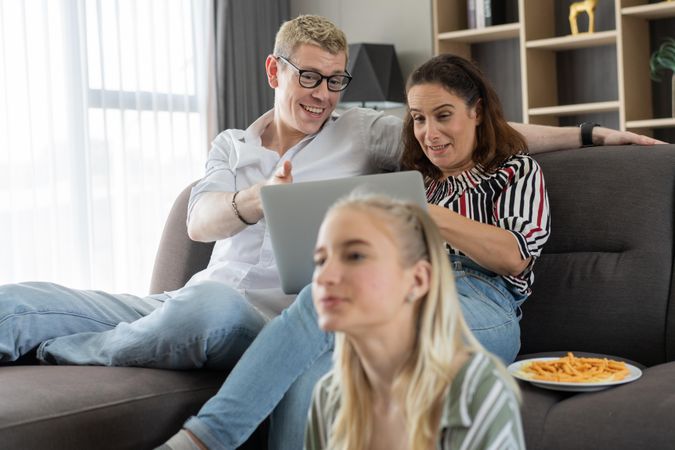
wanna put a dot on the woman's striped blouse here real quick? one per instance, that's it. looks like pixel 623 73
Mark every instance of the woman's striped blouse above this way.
pixel 513 198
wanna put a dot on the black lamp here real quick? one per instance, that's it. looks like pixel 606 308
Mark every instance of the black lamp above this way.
pixel 377 81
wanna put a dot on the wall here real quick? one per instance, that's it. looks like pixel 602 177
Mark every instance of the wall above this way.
pixel 404 23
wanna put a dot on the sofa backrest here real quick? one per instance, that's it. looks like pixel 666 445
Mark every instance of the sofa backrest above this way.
pixel 604 282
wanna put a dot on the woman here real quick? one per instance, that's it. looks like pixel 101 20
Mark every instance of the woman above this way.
pixel 408 373
pixel 486 195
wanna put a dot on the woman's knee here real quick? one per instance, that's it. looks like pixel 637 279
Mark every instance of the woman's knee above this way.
pixel 503 340
pixel 303 306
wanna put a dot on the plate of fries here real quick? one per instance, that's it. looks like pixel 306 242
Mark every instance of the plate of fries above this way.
pixel 572 373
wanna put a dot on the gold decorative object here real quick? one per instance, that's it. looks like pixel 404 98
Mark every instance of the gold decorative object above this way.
pixel 587 6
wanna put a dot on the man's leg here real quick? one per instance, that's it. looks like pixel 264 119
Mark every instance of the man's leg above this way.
pixel 31 313
pixel 203 325
pixel 286 348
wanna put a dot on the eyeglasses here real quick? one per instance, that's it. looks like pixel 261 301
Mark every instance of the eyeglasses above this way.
pixel 310 79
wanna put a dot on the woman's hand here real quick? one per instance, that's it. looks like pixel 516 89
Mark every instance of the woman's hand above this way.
pixel 607 136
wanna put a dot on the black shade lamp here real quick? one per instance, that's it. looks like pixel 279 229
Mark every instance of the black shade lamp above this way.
pixel 377 81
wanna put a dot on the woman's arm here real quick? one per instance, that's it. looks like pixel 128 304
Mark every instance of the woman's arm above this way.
pixel 492 247
pixel 520 223
pixel 541 138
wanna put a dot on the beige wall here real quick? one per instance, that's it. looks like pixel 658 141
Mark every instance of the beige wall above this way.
pixel 404 23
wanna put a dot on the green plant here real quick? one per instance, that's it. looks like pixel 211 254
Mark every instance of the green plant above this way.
pixel 663 58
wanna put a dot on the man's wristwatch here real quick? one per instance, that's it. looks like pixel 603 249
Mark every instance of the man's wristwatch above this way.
pixel 587 133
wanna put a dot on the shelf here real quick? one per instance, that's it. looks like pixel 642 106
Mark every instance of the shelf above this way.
pixel 487 34
pixel 571 42
pixel 579 108
pixel 540 69
pixel 661 10
pixel 651 123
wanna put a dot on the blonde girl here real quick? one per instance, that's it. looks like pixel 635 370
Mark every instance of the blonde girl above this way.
pixel 408 373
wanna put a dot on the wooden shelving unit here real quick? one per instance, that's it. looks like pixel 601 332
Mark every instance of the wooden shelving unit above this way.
pixel 541 49
pixel 475 35
pixel 652 11
pixel 573 42
pixel 578 108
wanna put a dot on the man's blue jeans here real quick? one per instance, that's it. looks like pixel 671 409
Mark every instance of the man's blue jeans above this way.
pixel 204 325
pixel 279 370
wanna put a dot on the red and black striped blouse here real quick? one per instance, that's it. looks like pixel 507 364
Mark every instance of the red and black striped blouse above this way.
pixel 513 198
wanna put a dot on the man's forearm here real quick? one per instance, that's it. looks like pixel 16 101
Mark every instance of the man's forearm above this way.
pixel 214 217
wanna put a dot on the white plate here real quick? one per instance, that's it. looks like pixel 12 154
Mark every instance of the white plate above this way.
pixel 515 369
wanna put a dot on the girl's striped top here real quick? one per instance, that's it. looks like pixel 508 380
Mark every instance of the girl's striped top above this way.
pixel 479 412
pixel 513 198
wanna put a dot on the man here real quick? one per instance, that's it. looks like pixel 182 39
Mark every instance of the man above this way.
pixel 214 318
pixel 299 140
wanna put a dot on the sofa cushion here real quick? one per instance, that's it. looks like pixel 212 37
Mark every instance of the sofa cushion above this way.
pixel 603 282
pixel 69 407
pixel 630 416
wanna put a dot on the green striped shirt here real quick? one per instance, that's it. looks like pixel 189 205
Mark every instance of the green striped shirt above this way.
pixel 480 412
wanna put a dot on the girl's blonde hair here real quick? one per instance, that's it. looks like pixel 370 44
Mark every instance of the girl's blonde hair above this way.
pixel 442 333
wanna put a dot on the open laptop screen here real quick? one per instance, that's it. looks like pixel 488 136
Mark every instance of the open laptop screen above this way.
pixel 294 213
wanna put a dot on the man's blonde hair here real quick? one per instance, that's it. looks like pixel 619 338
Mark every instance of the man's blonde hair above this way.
pixel 308 29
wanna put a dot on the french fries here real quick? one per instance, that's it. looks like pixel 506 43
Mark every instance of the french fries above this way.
pixel 570 369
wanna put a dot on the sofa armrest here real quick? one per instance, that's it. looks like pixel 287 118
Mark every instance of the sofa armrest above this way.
pixel 178 257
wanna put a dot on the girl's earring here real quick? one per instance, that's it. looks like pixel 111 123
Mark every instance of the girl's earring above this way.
pixel 410 297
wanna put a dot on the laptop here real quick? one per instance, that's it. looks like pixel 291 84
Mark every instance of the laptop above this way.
pixel 294 213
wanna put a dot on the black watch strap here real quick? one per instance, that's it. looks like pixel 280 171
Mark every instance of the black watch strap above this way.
pixel 587 133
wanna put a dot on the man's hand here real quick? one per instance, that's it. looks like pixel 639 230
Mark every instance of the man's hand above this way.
pixel 607 136
pixel 282 175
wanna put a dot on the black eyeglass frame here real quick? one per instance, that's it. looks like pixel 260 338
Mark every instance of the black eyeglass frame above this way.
pixel 347 76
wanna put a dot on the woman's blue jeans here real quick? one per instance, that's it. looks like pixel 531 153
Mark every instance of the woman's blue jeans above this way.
pixel 277 373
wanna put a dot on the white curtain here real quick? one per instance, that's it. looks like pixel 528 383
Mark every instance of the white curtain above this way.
pixel 104 118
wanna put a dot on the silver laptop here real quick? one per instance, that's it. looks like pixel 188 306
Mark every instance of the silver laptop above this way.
pixel 294 213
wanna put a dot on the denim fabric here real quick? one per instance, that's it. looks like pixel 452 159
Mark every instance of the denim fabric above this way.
pixel 31 313
pixel 290 346
pixel 491 309
pixel 206 324
pixel 279 370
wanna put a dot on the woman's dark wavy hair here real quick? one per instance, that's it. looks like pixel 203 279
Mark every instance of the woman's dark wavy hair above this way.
pixel 496 141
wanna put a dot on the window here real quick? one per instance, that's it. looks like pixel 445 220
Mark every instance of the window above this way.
pixel 103 120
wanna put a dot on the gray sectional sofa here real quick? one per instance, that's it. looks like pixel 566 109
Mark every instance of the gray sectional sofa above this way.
pixel 605 284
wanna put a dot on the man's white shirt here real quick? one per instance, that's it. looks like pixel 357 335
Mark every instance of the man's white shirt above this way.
pixel 357 142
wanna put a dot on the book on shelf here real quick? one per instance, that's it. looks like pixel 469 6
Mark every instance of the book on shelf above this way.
pixel 471 13
pixel 485 13
pixel 480 13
